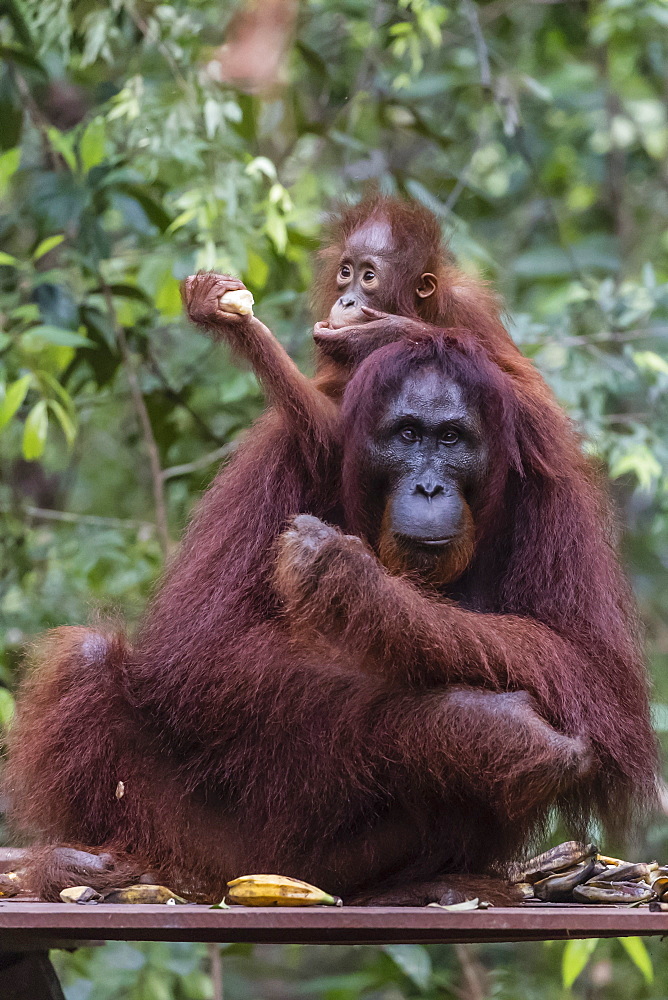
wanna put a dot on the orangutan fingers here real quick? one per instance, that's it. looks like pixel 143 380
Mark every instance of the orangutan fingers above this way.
pixel 313 555
pixel 299 549
pixel 202 293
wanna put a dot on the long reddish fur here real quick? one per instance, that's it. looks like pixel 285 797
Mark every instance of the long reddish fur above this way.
pixel 239 751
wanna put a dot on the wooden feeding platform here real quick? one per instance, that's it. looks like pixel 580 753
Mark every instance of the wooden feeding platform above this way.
pixel 28 929
pixel 39 926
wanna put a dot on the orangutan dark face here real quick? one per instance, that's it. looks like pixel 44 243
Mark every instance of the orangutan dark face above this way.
pixel 426 464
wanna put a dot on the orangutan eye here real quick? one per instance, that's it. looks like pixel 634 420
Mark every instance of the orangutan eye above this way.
pixel 408 434
pixel 344 272
pixel 450 437
pixel 368 276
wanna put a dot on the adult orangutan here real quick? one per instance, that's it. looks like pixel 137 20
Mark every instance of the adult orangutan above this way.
pixel 376 712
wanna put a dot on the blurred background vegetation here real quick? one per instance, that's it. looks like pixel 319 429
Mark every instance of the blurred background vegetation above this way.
pixel 140 141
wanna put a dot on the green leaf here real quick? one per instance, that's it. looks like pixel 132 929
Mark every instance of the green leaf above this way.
pixel 13 398
pixel 13 10
pixel 182 220
pixel 642 463
pixel 6 258
pixel 152 207
pixel 168 296
pixel 35 431
pixel 413 960
pixel 257 271
pixel 63 144
pixel 9 164
pixel 649 361
pixel 58 336
pixel 64 419
pixel 50 243
pixel 47 379
pixel 574 959
pixel 637 952
pixel 12 53
pixel 93 144
pixel 276 230
pixel 6 707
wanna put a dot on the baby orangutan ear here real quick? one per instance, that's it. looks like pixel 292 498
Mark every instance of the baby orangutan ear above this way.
pixel 426 286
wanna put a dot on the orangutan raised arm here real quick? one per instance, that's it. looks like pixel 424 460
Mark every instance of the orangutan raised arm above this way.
pixel 304 406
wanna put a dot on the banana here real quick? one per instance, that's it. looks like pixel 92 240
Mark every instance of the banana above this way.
pixel 628 872
pixel 558 887
pixel 614 893
pixel 606 860
pixel 141 893
pixel 240 302
pixel 555 860
pixel 277 890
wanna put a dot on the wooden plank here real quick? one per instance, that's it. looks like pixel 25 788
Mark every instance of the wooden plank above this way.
pixel 25 924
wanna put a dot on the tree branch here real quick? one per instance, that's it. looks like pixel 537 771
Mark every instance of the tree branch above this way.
pixel 480 43
pixel 69 517
pixel 199 463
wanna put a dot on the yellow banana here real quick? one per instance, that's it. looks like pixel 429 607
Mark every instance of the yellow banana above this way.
pixel 141 893
pixel 277 890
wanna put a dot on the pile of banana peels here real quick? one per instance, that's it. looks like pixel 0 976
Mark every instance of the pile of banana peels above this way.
pixel 576 873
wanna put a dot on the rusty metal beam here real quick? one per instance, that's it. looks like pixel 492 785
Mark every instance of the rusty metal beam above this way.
pixel 42 925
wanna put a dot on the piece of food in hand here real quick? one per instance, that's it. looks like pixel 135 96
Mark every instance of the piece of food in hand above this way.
pixel 141 893
pixel 277 890
pixel 239 302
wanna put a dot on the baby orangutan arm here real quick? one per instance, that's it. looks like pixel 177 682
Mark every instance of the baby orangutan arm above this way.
pixel 304 406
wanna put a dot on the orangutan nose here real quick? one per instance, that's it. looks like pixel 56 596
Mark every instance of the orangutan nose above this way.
pixel 347 302
pixel 429 489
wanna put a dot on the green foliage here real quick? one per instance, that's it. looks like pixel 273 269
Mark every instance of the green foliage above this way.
pixel 538 134
pixel 637 952
pixel 575 956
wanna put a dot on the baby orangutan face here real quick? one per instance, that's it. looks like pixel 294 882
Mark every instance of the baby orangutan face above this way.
pixel 370 276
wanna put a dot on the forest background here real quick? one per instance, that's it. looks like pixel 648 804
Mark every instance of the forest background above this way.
pixel 134 150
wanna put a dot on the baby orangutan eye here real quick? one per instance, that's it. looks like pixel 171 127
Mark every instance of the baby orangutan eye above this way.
pixel 368 276
pixel 344 272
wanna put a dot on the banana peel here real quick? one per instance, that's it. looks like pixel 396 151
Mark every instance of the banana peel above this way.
pixel 79 894
pixel 141 893
pixel 10 884
pixel 277 890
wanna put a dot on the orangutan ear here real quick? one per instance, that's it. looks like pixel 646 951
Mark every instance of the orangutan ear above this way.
pixel 427 285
